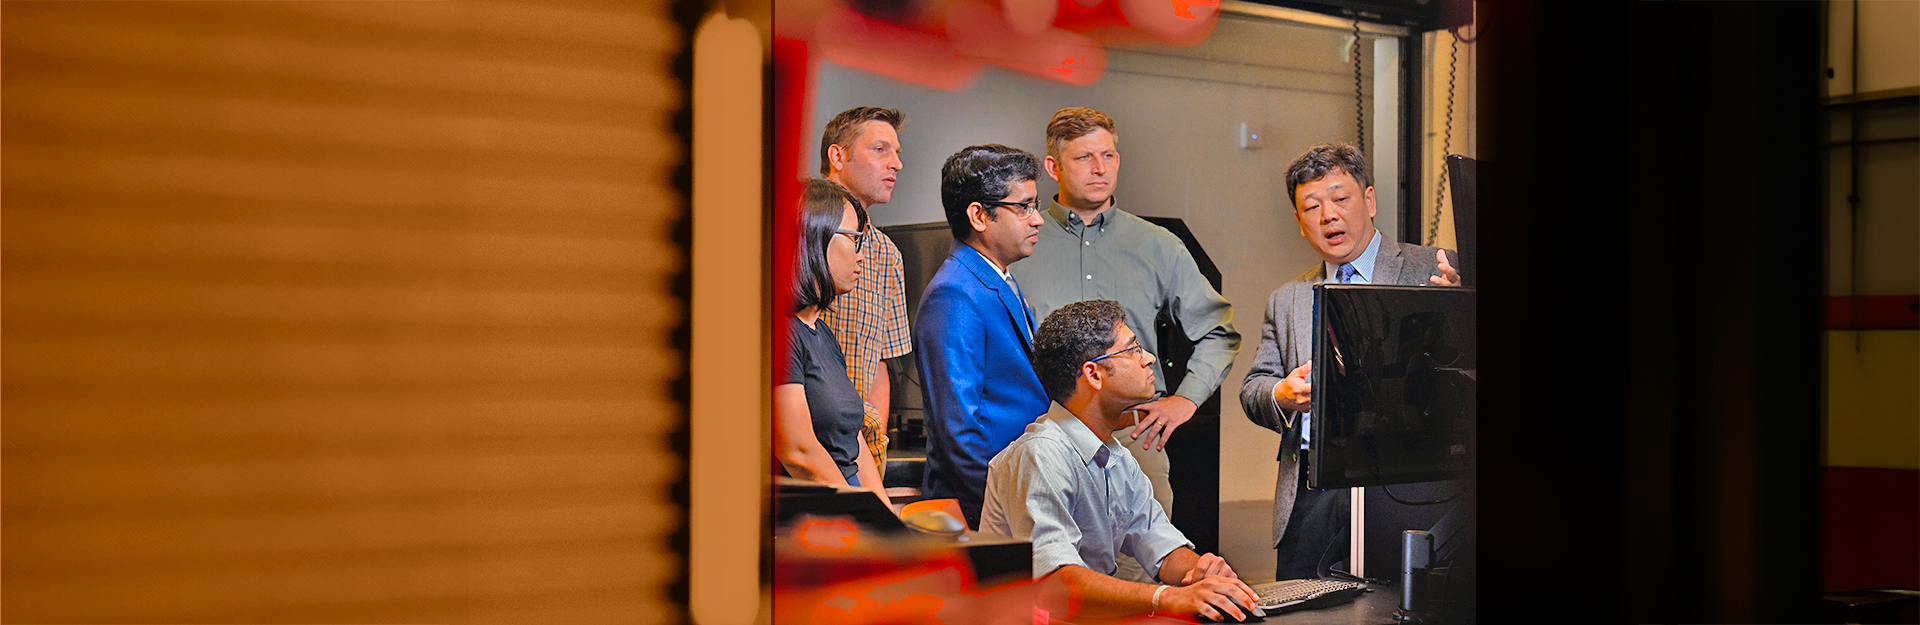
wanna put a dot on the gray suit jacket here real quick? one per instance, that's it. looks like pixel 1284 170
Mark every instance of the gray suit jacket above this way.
pixel 1286 342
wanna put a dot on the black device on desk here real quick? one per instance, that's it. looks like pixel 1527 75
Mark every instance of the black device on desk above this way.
pixel 794 497
pixel 995 559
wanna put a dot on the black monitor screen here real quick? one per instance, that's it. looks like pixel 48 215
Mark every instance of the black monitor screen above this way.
pixel 1393 385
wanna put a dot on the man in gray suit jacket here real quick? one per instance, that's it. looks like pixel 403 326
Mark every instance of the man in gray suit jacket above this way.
pixel 1333 201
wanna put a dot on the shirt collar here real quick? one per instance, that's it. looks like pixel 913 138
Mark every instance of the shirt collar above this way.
pixel 1363 266
pixel 1082 439
pixel 1004 276
pixel 1070 221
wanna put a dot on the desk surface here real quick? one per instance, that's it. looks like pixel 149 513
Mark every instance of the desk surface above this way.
pixel 1373 608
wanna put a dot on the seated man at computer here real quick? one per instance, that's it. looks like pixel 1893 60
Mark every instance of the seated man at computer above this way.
pixel 1071 489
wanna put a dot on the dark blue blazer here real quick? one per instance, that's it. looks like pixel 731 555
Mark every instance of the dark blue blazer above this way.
pixel 972 340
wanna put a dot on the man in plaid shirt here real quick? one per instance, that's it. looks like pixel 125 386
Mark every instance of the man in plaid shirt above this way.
pixel 860 149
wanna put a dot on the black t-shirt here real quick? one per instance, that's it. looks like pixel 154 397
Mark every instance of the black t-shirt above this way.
pixel 814 362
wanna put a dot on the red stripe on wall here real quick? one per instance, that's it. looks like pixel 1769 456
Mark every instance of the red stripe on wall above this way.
pixel 1872 530
pixel 1874 312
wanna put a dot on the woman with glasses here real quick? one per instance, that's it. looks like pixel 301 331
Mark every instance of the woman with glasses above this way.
pixel 816 412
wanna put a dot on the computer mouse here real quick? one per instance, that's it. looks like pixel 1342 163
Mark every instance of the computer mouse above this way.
pixel 1252 616
pixel 935 522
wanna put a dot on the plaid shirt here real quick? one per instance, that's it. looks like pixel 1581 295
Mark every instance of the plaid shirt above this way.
pixel 871 324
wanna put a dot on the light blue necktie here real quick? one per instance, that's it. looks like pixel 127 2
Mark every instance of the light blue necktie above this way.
pixel 1346 272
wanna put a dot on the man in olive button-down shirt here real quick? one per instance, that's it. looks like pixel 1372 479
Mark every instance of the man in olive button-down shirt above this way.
pixel 1091 250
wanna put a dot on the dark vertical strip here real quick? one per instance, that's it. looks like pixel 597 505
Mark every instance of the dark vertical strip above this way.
pixel 773 115
pixel 1663 534
pixel 1855 135
pixel 1412 132
pixel 1551 278
pixel 1787 168
pixel 1651 425
pixel 1736 325
pixel 686 16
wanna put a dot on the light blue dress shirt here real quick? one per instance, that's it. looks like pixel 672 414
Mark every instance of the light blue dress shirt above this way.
pixel 1363 264
pixel 1078 500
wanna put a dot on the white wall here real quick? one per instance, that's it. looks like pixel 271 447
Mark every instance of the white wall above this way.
pixel 1888 32
pixel 1179 113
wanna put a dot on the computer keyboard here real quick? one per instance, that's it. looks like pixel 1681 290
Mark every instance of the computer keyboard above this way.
pixel 1301 594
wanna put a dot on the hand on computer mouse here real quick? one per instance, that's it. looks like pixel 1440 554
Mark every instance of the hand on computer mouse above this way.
pixel 1218 597
pixel 1253 615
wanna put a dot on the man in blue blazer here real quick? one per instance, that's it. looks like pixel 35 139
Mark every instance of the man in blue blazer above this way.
pixel 975 331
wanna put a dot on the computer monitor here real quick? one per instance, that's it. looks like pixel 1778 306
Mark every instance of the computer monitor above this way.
pixel 1393 383
pixel 794 498
pixel 1463 175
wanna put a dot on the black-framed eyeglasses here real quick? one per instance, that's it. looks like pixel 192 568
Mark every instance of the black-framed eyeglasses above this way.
pixel 859 238
pixel 1020 209
pixel 1136 347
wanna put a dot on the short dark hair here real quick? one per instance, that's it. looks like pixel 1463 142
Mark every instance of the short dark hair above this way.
pixel 822 205
pixel 981 173
pixel 1072 123
pixel 1320 159
pixel 1071 336
pixel 845 127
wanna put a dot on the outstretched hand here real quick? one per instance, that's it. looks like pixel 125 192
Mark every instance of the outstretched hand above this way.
pixel 1448 276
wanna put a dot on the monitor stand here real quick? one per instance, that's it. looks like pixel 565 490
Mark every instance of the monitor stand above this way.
pixel 1357 532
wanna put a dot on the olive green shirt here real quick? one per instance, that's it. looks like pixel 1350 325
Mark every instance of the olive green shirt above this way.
pixel 1127 259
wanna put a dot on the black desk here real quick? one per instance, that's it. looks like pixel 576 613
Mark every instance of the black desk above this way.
pixel 1373 608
